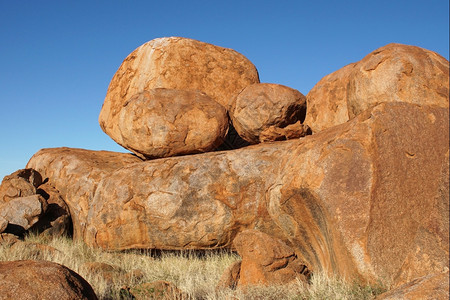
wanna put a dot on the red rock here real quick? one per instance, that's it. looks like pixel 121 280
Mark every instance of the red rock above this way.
pixel 29 279
pixel 428 287
pixel 356 200
pixel 22 213
pixel 176 63
pixel 393 73
pixel 359 199
pixel 166 122
pixel 21 183
pixel 56 220
pixel 266 260
pixel 261 106
pixel 75 173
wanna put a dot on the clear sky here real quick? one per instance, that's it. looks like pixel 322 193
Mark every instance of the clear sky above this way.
pixel 58 57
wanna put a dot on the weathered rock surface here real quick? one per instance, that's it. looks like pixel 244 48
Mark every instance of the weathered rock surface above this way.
pixel 176 63
pixel 190 202
pixel 428 287
pixel 21 183
pixel 393 73
pixel 22 213
pixel 3 224
pixel 354 200
pixel 230 276
pixel 56 220
pixel 362 197
pixel 166 122
pixel 266 260
pixel 75 173
pixel 29 279
pixel 260 106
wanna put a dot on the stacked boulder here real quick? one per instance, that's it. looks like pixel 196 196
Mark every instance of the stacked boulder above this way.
pixel 171 97
pixel 365 197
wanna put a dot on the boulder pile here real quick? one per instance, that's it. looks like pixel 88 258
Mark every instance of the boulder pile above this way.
pixel 351 180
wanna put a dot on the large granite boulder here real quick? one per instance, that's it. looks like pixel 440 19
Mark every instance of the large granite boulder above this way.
pixel 176 63
pixel 369 196
pixel 167 122
pixel 393 73
pixel 75 173
pixel 261 112
pixel 191 202
pixel 28 279
pixel 427 287
pixel 356 200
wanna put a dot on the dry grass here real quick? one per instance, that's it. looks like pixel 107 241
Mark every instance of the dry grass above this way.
pixel 196 275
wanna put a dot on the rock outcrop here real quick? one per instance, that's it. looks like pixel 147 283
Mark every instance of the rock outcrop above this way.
pixel 166 122
pixel 176 63
pixel 393 73
pixel 428 287
pixel 260 112
pixel 350 200
pixel 42 280
pixel 358 198
pixel 75 173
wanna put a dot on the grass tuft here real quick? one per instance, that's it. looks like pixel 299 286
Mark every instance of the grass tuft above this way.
pixel 195 275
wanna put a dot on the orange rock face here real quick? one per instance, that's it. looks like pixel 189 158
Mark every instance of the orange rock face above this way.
pixel 29 279
pixel 266 109
pixel 266 260
pixel 165 122
pixel 393 73
pixel 75 173
pixel 366 197
pixel 431 286
pixel 190 202
pixel 176 63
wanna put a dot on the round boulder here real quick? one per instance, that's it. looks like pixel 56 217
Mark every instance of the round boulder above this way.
pixel 166 122
pixel 260 112
pixel 176 63
pixel 393 73
pixel 27 279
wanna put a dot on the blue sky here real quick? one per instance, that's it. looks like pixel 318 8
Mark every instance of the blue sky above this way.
pixel 58 57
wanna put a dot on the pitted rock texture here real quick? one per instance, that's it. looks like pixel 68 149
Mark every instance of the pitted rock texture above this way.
pixel 21 183
pixel 189 202
pixel 393 73
pixel 75 173
pixel 266 260
pixel 261 106
pixel 166 122
pixel 356 200
pixel 27 279
pixel 176 63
